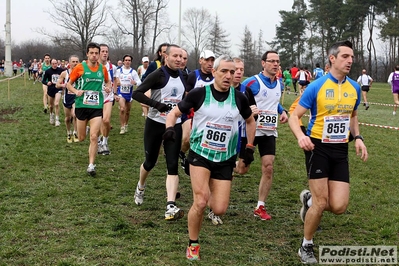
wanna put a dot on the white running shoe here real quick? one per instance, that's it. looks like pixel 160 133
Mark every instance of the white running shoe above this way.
pixel 52 119
pixel 214 218
pixel 304 197
pixel 393 113
pixel 139 195
pixel 173 213
pixel 105 150
pixel 57 123
pixel 91 169
pixel 123 130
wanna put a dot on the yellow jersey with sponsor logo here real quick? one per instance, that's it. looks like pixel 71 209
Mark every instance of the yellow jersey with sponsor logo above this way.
pixel 331 105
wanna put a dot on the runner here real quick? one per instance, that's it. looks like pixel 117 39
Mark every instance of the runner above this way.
pixel 218 109
pixel 43 67
pixel 365 82
pixel 69 101
pixel 50 79
pixel 126 79
pixel 89 99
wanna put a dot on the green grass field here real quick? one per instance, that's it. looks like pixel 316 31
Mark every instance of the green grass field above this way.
pixel 53 213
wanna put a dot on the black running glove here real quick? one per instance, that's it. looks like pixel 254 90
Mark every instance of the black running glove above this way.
pixel 249 154
pixel 162 107
pixel 169 135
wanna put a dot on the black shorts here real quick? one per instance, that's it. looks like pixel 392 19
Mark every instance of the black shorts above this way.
pixel 88 113
pixel 69 100
pixel 303 82
pixel 51 91
pixel 328 160
pixel 365 88
pixel 219 170
pixel 266 145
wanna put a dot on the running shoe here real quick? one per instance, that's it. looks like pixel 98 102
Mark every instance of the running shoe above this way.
pixel 57 123
pixel 173 213
pixel 91 169
pixel 69 138
pixel 75 137
pixel 45 110
pixel 307 255
pixel 105 150
pixel 367 106
pixel 100 149
pixel 261 213
pixel 52 119
pixel 304 197
pixel 123 130
pixel 192 252
pixel 393 113
pixel 139 195
pixel 214 218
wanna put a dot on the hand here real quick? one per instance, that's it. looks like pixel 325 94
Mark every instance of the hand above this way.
pixel 305 143
pixel 116 97
pixel 79 93
pixel 249 154
pixel 361 149
pixel 169 135
pixel 254 109
pixel 284 117
pixel 161 107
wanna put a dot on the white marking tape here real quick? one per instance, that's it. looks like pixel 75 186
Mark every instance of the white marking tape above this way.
pixel 380 126
pixel 383 104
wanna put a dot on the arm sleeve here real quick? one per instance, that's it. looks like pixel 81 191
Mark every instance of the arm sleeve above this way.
pixel 243 105
pixel 190 81
pixel 136 77
pixel 250 96
pixel 151 68
pixel 153 82
pixel 105 73
pixel 194 99
pixel 76 73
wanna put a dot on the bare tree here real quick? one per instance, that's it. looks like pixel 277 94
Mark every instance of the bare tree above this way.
pixel 116 39
pixel 81 21
pixel 139 17
pixel 198 23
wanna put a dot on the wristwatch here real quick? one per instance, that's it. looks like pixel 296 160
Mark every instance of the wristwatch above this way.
pixel 359 137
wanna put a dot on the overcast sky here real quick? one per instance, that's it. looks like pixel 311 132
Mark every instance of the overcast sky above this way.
pixel 28 15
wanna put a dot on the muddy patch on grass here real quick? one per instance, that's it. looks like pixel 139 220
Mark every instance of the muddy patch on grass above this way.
pixel 5 114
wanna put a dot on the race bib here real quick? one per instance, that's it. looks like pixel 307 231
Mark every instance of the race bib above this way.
pixel 216 137
pixel 125 89
pixel 267 120
pixel 171 103
pixel 91 98
pixel 336 129
pixel 54 78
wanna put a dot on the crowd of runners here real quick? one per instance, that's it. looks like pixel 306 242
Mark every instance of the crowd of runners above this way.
pixel 210 122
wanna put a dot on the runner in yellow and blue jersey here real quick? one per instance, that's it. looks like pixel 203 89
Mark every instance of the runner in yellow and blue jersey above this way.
pixel 333 101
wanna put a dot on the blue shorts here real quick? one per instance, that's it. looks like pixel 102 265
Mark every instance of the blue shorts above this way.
pixel 127 97
pixel 69 100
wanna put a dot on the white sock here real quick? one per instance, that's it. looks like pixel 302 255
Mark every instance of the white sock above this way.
pixel 57 118
pixel 306 242
pixel 105 140
pixel 260 203
pixel 140 186
pixel 309 202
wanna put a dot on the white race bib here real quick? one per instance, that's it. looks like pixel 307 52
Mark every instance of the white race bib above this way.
pixel 216 137
pixel 267 120
pixel 91 98
pixel 336 129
